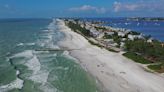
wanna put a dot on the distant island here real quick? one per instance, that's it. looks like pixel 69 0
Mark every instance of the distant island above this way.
pixel 146 19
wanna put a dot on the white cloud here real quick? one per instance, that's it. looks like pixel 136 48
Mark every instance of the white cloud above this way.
pixel 83 8
pixel 139 6
pixel 118 6
pixel 88 8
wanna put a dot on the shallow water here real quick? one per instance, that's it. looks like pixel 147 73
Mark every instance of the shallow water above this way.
pixel 23 69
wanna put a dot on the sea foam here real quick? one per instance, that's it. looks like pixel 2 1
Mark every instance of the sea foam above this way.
pixel 33 64
pixel 67 55
pixel 25 44
pixel 26 54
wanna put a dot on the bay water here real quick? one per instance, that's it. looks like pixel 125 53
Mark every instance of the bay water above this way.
pixel 153 28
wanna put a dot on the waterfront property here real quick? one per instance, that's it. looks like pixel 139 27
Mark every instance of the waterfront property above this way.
pixel 119 39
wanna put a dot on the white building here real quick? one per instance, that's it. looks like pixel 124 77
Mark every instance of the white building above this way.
pixel 94 32
pixel 123 39
pixel 131 37
pixel 122 34
pixel 140 36
pixel 88 26
pixel 109 33
pixel 101 34
pixel 82 25
pixel 150 40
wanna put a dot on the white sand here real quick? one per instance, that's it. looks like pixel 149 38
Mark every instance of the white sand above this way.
pixel 115 72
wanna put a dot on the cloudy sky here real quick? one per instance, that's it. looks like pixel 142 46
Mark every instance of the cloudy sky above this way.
pixel 81 8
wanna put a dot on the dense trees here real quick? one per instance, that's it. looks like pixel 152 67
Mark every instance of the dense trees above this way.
pixel 143 52
pixel 77 27
pixel 152 51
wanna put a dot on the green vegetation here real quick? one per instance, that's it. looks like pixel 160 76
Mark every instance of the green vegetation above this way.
pixel 157 67
pixel 152 51
pixel 109 49
pixel 115 37
pixel 106 36
pixel 134 33
pixel 136 57
pixel 149 52
pixel 91 42
pixel 112 50
pixel 78 28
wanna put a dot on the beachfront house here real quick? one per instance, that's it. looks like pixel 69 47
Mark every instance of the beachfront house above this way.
pixel 101 34
pixel 150 40
pixel 162 44
pixel 140 36
pixel 122 34
pixel 88 27
pixel 123 39
pixel 108 42
pixel 82 25
pixel 94 32
pixel 131 37
pixel 110 33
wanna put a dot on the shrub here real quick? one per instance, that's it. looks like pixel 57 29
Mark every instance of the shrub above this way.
pixel 136 57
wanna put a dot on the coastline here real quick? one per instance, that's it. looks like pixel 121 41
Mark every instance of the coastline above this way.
pixel 115 72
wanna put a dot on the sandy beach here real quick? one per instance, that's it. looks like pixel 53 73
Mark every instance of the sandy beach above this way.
pixel 115 72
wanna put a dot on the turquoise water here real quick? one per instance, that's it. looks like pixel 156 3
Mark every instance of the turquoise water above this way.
pixel 23 69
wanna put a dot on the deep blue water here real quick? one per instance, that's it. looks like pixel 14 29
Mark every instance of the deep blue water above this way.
pixel 153 28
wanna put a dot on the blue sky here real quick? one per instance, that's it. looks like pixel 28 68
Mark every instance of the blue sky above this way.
pixel 81 8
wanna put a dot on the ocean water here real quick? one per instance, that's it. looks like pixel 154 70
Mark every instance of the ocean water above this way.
pixel 24 69
pixel 153 28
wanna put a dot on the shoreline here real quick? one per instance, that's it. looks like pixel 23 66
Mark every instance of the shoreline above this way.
pixel 115 72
